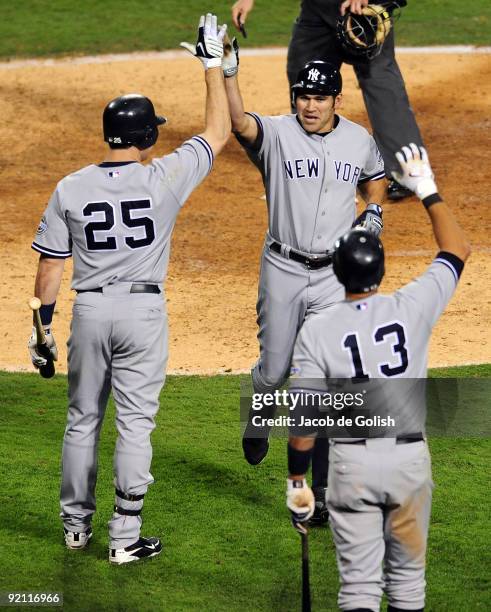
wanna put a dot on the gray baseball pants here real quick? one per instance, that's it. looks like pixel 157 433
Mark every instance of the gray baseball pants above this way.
pixel 118 341
pixel 288 293
pixel 379 501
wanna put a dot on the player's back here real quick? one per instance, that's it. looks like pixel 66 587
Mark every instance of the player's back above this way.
pixel 382 337
pixel 116 218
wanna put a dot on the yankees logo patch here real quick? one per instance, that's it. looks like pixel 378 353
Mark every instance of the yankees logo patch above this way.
pixel 42 227
pixel 313 75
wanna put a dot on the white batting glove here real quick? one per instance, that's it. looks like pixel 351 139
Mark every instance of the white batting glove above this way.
pixel 209 46
pixel 230 60
pixel 300 501
pixel 371 219
pixel 38 360
pixel 417 174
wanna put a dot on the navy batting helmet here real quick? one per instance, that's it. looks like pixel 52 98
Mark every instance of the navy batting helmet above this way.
pixel 131 121
pixel 318 77
pixel 358 261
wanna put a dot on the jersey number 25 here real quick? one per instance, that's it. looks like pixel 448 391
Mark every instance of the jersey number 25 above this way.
pixel 105 213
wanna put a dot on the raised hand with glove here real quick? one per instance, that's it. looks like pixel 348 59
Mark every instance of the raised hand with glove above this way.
pixel 371 219
pixel 209 46
pixel 417 174
pixel 301 503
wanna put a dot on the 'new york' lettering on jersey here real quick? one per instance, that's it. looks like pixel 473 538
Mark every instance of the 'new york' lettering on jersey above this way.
pixel 311 179
pixel 119 230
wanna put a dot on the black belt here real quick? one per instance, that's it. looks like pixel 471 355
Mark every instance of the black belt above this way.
pixel 312 263
pixel 408 439
pixel 135 288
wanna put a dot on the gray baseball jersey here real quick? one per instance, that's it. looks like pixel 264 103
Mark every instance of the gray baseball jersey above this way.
pixel 380 489
pixel 116 219
pixel 311 179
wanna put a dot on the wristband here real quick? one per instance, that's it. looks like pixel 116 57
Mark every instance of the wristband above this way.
pixel 298 461
pixel 46 313
pixel 431 199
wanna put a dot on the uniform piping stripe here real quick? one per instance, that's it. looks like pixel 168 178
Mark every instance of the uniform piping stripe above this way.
pixel 258 119
pixel 46 251
pixel 450 266
pixel 207 148
pixel 374 177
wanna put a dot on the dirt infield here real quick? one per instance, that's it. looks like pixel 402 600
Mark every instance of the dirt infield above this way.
pixel 51 126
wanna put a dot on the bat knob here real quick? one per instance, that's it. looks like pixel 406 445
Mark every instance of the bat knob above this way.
pixel 35 303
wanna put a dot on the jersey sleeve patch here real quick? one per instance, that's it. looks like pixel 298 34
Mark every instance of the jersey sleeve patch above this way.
pixel 454 263
pixel 50 252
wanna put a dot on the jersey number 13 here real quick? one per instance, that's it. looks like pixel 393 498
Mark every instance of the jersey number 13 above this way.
pixel 393 332
pixel 104 213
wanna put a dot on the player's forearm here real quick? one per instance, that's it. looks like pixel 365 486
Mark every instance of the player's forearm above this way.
pixel 448 234
pixel 374 191
pixel 48 279
pixel 240 121
pixel 217 117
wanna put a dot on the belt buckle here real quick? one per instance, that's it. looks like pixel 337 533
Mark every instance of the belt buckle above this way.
pixel 311 262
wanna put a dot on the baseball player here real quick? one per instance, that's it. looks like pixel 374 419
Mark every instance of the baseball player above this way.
pixel 116 219
pixel 314 34
pixel 312 163
pixel 380 488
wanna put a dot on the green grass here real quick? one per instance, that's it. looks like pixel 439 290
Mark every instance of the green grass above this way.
pixel 228 542
pixel 47 27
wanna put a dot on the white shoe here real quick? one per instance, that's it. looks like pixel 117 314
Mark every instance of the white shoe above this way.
pixel 77 539
pixel 144 548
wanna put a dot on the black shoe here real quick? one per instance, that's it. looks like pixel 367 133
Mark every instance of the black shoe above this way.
pixel 144 548
pixel 321 514
pixel 255 449
pixel 396 191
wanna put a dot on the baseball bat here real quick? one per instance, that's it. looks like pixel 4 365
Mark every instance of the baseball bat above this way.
pixel 305 573
pixel 48 370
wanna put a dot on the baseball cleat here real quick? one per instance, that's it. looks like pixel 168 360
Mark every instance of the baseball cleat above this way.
pixel 77 539
pixel 144 548
pixel 396 191
pixel 321 514
pixel 255 449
